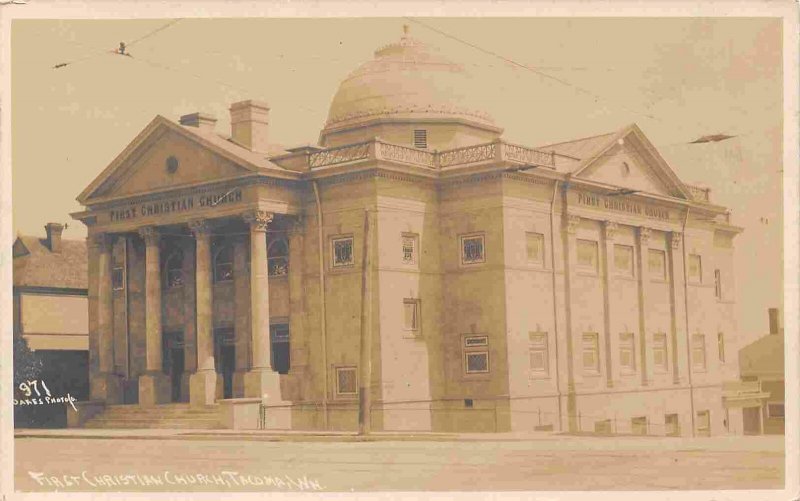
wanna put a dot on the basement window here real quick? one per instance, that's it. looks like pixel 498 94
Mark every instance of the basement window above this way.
pixel 420 138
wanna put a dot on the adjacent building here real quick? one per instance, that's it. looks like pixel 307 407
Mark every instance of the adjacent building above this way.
pixel 415 258
pixel 50 319
pixel 758 397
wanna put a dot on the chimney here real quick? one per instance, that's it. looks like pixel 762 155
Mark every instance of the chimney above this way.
pixel 774 320
pixel 202 121
pixel 250 125
pixel 54 236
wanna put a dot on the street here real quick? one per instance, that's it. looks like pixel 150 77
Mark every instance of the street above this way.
pixel 549 463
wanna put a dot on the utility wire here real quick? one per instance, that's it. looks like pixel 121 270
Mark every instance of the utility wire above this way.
pixel 121 50
pixel 532 69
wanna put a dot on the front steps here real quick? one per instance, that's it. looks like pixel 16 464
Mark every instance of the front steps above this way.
pixel 167 416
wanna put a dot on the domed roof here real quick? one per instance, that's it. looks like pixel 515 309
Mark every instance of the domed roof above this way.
pixel 406 80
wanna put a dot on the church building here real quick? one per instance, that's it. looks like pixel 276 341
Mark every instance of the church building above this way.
pixel 412 271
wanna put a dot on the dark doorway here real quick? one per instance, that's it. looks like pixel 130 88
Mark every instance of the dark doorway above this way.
pixel 174 363
pixel 279 340
pixel 225 358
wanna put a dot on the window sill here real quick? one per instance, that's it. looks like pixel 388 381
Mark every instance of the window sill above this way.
pixel 628 374
pixel 538 376
pixel 584 273
pixel 659 281
pixel 285 276
pixel 591 373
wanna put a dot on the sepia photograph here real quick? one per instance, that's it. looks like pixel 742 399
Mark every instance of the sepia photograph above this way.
pixel 380 252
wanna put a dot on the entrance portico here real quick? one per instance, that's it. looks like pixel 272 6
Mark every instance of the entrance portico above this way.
pixel 214 252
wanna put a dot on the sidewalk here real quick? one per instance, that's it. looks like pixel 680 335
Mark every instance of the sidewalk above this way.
pixel 538 439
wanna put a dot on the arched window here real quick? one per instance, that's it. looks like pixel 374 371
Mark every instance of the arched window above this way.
pixel 278 257
pixel 223 264
pixel 173 270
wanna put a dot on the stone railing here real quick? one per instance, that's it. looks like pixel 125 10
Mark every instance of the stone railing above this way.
pixel 397 153
pixel 700 194
pixel 521 154
pixel 378 149
pixel 340 154
pixel 467 155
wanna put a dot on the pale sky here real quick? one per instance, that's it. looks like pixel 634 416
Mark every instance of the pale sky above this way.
pixel 677 78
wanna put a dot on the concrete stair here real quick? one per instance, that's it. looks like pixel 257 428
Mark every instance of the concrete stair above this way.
pixel 167 416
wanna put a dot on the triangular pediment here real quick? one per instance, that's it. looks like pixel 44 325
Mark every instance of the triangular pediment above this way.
pixel 628 160
pixel 164 156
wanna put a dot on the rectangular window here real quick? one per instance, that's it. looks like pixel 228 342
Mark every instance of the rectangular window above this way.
pixel 695 269
pixel 411 314
pixel 776 410
pixel 703 423
pixel 627 352
pixel 587 255
pixel 699 352
pixel 476 354
pixel 660 354
pixel 639 425
pixel 342 251
pixel 656 264
pixel 538 352
pixel 623 259
pixel 591 359
pixel 721 346
pixel 118 278
pixel 477 362
pixel 718 284
pixel 672 425
pixel 603 427
pixel 535 242
pixel 472 249
pixel 346 381
pixel 420 138
pixel 410 244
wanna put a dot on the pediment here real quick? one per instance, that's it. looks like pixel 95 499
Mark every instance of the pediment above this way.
pixel 630 161
pixel 164 156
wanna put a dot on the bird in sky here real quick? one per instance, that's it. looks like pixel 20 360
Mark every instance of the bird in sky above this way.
pixel 713 138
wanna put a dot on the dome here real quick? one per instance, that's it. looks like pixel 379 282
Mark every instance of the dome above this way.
pixel 406 80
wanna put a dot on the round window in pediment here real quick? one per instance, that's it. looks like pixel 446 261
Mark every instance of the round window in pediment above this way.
pixel 172 164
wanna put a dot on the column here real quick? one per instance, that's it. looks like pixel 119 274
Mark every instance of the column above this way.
pixel 675 264
pixel 154 387
pixel 261 381
pixel 570 248
pixel 241 294
pixel 203 382
pixel 105 385
pixel 610 229
pixel 298 334
pixel 642 252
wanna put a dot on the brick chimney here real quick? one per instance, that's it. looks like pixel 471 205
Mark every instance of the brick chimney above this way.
pixel 774 320
pixel 202 121
pixel 250 125
pixel 54 236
